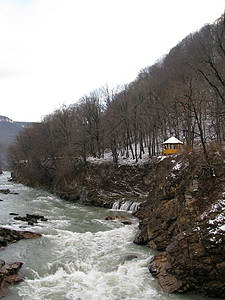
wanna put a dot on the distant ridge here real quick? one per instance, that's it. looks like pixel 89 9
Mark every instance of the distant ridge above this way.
pixel 5 119
pixel 8 131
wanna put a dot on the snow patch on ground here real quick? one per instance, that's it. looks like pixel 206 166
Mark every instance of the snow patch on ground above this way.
pixel 196 228
pixel 161 158
pixel 216 220
pixel 222 227
pixel 177 166
pixel 122 159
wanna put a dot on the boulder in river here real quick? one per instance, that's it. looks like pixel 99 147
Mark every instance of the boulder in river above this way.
pixel 4 191
pixel 9 276
pixel 127 257
pixel 9 271
pixel 116 217
pixel 8 236
pixel 123 219
pixel 31 218
pixel 7 191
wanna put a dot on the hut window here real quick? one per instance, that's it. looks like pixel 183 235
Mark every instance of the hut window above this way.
pixel 173 146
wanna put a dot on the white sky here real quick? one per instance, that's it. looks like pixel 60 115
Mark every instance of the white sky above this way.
pixel 52 52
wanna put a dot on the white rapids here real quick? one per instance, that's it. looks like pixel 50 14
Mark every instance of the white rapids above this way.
pixel 80 255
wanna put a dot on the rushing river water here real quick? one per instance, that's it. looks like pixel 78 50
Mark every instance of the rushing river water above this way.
pixel 80 254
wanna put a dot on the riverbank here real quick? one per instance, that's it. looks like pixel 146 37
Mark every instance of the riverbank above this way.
pixel 181 212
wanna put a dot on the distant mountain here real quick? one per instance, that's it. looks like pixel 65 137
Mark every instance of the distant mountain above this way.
pixel 8 131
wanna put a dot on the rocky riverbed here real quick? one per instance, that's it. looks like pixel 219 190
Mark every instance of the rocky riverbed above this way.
pixel 9 271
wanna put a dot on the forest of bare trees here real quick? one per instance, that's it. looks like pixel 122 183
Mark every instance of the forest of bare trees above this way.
pixel 182 94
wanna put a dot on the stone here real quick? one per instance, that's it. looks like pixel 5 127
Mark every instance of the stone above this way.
pixel 128 257
pixel 126 222
pixel 116 217
pixel 159 267
pixel 8 236
pixel 9 276
pixel 7 191
pixel 4 191
pixel 31 219
pixel 9 271
pixel 110 218
pixel 121 218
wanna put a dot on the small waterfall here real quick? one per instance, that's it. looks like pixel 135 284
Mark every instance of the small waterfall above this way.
pixel 134 206
pixel 125 205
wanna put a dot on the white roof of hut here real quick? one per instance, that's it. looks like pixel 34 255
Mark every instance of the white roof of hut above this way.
pixel 173 140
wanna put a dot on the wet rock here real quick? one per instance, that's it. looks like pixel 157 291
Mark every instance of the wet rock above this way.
pixel 8 236
pixel 37 217
pixel 110 218
pixel 141 237
pixel 8 276
pixel 7 191
pixel 31 219
pixel 123 219
pixel 4 191
pixel 13 214
pixel 9 271
pixel 116 217
pixel 159 267
pixel 127 257
pixel 127 222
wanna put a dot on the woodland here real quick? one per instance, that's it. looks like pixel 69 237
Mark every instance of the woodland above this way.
pixel 182 95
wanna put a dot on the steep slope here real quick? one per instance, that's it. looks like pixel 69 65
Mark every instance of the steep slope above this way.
pixel 186 222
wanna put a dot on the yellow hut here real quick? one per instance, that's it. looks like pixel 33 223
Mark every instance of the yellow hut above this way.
pixel 172 146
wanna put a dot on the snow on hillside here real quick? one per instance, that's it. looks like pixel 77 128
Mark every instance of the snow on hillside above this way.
pixel 122 160
pixel 215 218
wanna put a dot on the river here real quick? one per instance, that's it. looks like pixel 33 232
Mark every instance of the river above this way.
pixel 80 254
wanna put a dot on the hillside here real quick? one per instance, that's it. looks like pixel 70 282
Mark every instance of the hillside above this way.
pixel 8 131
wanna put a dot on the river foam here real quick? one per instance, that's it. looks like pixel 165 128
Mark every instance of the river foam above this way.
pixel 88 266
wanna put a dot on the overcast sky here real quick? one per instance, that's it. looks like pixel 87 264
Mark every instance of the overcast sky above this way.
pixel 52 52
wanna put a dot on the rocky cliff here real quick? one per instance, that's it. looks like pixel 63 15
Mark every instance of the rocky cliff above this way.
pixel 182 202
pixel 187 224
